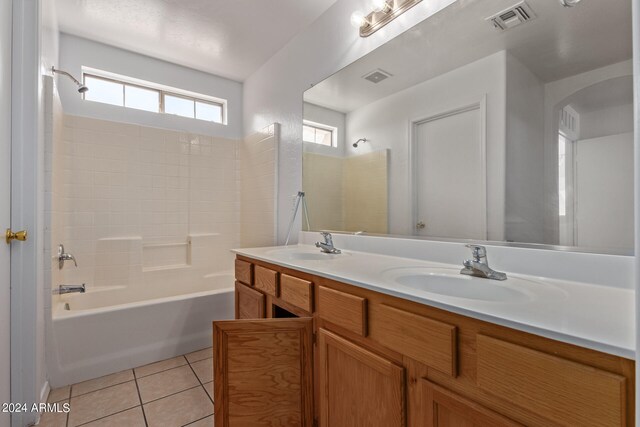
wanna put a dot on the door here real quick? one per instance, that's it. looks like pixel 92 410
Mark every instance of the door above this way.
pixel 443 408
pixel 5 202
pixel 604 192
pixel 358 388
pixel 250 304
pixel 450 175
pixel 263 373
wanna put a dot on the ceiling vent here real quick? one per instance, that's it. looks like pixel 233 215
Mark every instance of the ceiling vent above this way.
pixel 376 76
pixel 512 17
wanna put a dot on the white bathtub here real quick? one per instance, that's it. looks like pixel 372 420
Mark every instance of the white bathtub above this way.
pixel 111 329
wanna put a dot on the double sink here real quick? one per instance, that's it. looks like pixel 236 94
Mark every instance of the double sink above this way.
pixel 442 281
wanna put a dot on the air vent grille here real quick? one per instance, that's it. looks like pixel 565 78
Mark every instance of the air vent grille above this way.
pixel 376 76
pixel 512 17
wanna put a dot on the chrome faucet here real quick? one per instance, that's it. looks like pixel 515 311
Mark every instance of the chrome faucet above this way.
pixel 63 256
pixel 479 266
pixel 70 289
pixel 327 246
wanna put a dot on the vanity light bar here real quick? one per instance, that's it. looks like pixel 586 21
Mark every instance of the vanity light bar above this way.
pixel 381 16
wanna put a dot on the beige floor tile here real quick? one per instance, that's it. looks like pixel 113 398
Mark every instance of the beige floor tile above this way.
pixel 179 409
pixel 205 422
pixel 209 388
pixel 54 419
pixel 129 418
pixel 104 402
pixel 199 355
pixel 204 370
pixel 156 367
pixel 102 382
pixel 58 394
pixel 165 383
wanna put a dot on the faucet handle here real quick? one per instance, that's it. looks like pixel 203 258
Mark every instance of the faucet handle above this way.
pixel 479 252
pixel 327 237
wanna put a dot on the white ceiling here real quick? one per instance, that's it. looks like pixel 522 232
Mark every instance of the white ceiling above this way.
pixel 229 38
pixel 559 43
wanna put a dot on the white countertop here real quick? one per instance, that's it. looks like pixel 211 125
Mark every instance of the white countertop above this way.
pixel 593 316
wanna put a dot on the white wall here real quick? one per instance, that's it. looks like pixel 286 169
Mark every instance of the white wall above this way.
pixel 77 52
pixel 386 124
pixel 524 201
pixel 274 92
pixel 607 121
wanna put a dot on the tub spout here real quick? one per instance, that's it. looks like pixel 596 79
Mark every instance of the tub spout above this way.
pixel 69 289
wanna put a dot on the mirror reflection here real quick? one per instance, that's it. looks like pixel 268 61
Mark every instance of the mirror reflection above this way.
pixel 492 120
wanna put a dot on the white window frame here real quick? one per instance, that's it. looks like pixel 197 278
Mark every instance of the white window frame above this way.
pixel 322 126
pixel 162 92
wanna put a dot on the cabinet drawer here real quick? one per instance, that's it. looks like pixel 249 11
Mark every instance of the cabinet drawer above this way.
pixel 296 291
pixel 266 280
pixel 244 272
pixel 564 391
pixel 343 309
pixel 426 340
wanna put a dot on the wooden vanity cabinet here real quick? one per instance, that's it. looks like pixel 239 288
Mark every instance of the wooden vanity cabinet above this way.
pixel 263 368
pixel 358 388
pixel 250 304
pixel 443 408
pixel 353 357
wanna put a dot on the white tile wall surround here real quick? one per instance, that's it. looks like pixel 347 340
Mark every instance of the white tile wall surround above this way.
pixel 136 199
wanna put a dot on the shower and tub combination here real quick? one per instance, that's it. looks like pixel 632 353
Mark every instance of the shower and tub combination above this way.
pixel 150 216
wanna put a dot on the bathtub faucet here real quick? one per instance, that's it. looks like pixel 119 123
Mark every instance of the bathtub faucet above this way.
pixel 70 289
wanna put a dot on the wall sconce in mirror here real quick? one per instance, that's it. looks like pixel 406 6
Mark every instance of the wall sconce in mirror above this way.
pixel 383 12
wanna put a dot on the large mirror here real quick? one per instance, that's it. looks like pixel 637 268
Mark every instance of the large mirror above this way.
pixel 515 130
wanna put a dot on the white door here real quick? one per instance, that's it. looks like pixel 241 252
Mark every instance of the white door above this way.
pixel 5 202
pixel 450 176
pixel 604 192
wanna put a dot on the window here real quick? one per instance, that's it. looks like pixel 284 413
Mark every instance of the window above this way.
pixel 127 92
pixel 318 133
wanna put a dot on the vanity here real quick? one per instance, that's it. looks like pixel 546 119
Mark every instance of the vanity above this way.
pixel 316 345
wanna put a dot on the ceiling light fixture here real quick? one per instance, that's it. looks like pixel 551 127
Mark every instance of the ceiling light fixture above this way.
pixel 569 3
pixel 384 11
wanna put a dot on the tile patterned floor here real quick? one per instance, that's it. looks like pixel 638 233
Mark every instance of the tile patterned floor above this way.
pixel 171 393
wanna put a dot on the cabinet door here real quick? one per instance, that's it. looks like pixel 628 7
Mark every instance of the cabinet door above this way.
pixel 443 408
pixel 263 372
pixel 358 388
pixel 249 303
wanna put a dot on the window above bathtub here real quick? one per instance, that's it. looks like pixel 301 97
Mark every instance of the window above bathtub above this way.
pixel 318 133
pixel 123 91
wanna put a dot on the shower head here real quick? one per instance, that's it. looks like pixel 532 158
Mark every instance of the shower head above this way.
pixel 81 88
pixel 355 144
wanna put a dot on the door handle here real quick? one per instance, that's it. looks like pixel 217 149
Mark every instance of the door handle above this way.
pixel 19 235
pixel 420 225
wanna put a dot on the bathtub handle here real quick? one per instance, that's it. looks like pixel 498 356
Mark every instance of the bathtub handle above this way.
pixel 63 256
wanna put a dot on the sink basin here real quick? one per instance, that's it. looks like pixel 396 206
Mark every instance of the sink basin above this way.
pixel 304 254
pixel 449 282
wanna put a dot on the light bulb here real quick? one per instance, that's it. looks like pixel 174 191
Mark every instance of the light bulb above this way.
pixel 380 5
pixel 358 19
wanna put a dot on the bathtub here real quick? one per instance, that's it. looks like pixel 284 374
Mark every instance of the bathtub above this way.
pixel 109 329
